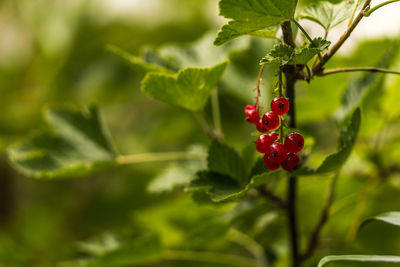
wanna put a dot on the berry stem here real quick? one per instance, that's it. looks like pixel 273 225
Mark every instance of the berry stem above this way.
pixel 280 94
pixel 257 87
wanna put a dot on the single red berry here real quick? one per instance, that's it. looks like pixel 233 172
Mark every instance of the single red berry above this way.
pixel 272 166
pixel 264 141
pixel 261 127
pixel 252 116
pixel 280 105
pixel 294 142
pixel 291 162
pixel 277 152
pixel 270 120
pixel 249 107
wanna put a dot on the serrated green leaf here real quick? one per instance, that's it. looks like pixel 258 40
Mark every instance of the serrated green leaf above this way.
pixel 347 139
pixel 190 88
pixel 329 15
pixel 359 258
pixel 307 52
pixel 225 160
pixel 251 16
pixel 282 54
pixel 75 143
pixel 392 218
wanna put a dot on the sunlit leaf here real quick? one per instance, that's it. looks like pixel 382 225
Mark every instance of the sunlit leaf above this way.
pixel 358 258
pixel 252 16
pixel 190 88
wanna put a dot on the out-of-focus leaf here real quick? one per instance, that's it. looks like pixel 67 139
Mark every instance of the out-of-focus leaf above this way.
pixel 225 160
pixel 358 258
pixel 329 15
pixel 392 218
pixel 347 139
pixel 360 91
pixel 251 16
pixel 190 88
pixel 76 143
pixel 145 250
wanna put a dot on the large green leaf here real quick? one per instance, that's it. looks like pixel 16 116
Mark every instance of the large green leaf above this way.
pixel 392 218
pixel 359 258
pixel 347 139
pixel 225 160
pixel 75 143
pixel 190 88
pixel 329 15
pixel 252 15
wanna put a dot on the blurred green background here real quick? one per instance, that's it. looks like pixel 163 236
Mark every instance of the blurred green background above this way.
pixel 55 52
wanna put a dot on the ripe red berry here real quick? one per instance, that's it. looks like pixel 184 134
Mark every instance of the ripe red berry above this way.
pixel 277 152
pixel 294 142
pixel 291 162
pixel 249 107
pixel 270 120
pixel 252 116
pixel 261 127
pixel 270 164
pixel 264 141
pixel 280 105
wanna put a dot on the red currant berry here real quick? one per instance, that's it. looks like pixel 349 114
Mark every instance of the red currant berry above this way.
pixel 248 108
pixel 277 152
pixel 291 162
pixel 272 166
pixel 252 116
pixel 280 105
pixel 294 142
pixel 264 141
pixel 261 127
pixel 270 120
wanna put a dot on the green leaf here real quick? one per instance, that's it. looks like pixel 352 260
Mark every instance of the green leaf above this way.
pixel 251 16
pixel 307 52
pixel 190 88
pixel 282 54
pixel 225 160
pixel 75 143
pixel 347 139
pixel 392 218
pixel 359 258
pixel 144 250
pixel 267 33
pixel 329 15
pixel 137 62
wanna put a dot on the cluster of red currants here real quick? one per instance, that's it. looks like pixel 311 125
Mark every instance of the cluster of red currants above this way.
pixel 275 153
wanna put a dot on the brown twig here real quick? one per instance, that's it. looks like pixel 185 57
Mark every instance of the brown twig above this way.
pixel 317 68
pixel 314 237
pixel 257 87
pixel 369 69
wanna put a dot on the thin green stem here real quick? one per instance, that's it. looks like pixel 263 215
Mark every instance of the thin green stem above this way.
pixel 366 14
pixel 211 257
pixel 305 34
pixel 155 157
pixel 353 13
pixel 280 94
pixel 369 69
pixel 216 113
